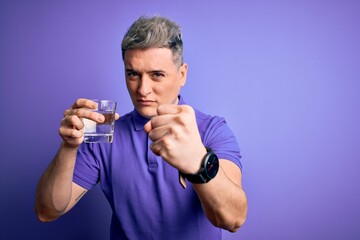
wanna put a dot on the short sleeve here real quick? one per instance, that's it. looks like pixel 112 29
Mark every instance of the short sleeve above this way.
pixel 220 138
pixel 86 172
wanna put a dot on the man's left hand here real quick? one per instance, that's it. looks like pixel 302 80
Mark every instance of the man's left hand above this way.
pixel 176 137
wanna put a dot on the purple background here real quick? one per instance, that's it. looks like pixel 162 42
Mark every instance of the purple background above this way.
pixel 285 74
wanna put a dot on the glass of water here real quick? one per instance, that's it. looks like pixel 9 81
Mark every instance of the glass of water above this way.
pixel 101 132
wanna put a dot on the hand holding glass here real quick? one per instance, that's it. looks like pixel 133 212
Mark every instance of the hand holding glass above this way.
pixel 101 132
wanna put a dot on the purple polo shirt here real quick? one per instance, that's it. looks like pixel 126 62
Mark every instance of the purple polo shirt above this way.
pixel 143 190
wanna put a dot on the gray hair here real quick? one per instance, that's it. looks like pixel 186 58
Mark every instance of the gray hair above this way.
pixel 154 32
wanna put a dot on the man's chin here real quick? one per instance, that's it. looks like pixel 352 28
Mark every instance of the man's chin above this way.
pixel 146 112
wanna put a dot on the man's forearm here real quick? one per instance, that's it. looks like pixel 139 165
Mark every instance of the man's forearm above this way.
pixel 223 201
pixel 55 186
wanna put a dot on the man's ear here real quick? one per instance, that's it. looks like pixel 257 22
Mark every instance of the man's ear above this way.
pixel 183 73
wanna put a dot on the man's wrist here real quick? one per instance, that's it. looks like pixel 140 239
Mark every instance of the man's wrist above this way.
pixel 208 169
pixel 199 160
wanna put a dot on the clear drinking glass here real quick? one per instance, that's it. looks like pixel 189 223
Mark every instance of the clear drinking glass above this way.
pixel 101 132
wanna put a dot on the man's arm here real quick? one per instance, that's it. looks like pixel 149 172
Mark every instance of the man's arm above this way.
pixel 56 193
pixel 223 199
pixel 176 139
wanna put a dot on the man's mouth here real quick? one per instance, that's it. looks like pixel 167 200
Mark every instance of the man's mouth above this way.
pixel 145 102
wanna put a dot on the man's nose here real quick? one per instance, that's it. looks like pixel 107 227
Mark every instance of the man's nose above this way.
pixel 144 87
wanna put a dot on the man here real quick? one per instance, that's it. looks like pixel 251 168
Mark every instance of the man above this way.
pixel 159 143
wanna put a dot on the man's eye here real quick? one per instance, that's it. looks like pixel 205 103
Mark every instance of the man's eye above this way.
pixel 132 74
pixel 158 75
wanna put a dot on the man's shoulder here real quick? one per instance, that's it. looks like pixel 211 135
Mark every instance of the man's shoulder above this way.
pixel 201 116
pixel 205 117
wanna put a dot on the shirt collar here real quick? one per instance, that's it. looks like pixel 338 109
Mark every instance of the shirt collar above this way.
pixel 138 120
pixel 181 100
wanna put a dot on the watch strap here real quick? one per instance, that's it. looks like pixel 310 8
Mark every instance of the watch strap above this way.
pixel 199 177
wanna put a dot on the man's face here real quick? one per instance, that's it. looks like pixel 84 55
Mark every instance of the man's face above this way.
pixel 152 78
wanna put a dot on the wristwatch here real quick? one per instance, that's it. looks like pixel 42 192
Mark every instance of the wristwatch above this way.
pixel 208 170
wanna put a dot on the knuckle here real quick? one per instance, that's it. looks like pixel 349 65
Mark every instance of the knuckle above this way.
pixel 73 133
pixel 67 112
pixel 187 109
pixel 160 109
pixel 151 136
pixel 181 119
pixel 79 101
pixel 63 122
pixel 172 129
pixel 166 143
pixel 76 111
pixel 76 133
pixel 72 119
pixel 79 112
pixel 61 131
pixel 154 121
pixel 155 148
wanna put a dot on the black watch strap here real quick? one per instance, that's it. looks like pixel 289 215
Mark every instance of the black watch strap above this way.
pixel 209 164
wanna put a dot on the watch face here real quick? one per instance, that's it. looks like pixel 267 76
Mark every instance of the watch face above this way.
pixel 212 166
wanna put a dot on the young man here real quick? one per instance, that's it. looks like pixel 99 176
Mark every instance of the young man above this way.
pixel 160 142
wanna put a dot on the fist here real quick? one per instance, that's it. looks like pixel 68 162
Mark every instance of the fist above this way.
pixel 176 137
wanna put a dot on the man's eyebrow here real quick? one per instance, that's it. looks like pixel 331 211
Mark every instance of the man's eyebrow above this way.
pixel 157 71
pixel 151 71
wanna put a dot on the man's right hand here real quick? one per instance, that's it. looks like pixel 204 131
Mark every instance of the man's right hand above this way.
pixel 72 125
